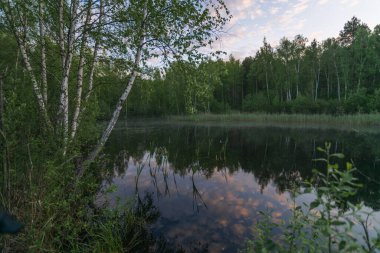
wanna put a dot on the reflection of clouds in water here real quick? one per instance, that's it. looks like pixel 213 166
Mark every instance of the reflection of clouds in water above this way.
pixel 232 200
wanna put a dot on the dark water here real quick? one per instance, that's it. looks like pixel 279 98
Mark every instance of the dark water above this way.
pixel 209 182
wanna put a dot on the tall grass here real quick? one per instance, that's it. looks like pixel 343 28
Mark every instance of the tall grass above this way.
pixel 347 120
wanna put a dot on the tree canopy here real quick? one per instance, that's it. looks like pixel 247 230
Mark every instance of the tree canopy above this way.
pixel 337 75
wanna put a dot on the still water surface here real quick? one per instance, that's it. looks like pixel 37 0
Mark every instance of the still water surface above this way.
pixel 209 182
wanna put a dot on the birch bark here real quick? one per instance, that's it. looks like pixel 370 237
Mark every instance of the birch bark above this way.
pixel 83 106
pixel 122 99
pixel 43 51
pixel 22 46
pixel 61 33
pixel 75 122
pixel 64 98
pixel 94 57
pixel 338 79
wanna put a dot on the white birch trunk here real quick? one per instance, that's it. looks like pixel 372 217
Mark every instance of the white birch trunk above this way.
pixel 43 52
pixel 61 33
pixel 28 66
pixel 318 74
pixel 116 113
pixel 338 79
pixel 122 99
pixel 93 64
pixel 64 105
pixel 328 84
pixel 298 77
pixel 36 87
pixel 75 122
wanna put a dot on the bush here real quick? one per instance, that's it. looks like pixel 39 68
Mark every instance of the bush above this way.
pixel 256 103
pixel 357 102
pixel 304 105
pixel 374 101
pixel 324 225
pixel 332 107
pixel 218 107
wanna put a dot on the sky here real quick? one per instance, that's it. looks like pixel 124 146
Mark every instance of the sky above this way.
pixel 274 19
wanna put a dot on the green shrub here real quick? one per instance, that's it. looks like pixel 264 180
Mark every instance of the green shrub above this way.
pixel 303 105
pixel 325 224
pixel 374 101
pixel 256 103
pixel 357 102
pixel 219 107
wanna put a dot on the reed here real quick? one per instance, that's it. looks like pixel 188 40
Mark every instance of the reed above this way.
pixel 304 119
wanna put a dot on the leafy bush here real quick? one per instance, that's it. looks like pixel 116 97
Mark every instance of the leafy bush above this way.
pixel 219 107
pixel 374 101
pixel 303 105
pixel 357 102
pixel 324 225
pixel 256 103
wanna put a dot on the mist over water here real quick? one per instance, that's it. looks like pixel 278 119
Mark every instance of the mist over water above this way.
pixel 210 182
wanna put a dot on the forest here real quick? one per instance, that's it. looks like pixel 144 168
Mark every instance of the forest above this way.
pixel 70 70
pixel 336 76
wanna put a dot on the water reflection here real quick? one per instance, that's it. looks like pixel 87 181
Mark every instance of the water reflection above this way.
pixel 210 182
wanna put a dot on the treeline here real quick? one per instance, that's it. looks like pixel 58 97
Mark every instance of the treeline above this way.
pixel 336 76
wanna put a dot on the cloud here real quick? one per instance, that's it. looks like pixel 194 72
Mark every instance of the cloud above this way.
pixel 322 2
pixel 320 19
pixel 246 3
pixel 300 6
pixel 274 10
pixel 350 3
pixel 318 35
pixel 292 12
pixel 256 13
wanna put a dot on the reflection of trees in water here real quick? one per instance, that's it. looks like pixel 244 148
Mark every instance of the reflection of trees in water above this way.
pixel 276 155
pixel 157 164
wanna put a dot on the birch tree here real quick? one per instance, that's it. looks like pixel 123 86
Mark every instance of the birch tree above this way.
pixel 75 32
pixel 18 21
pixel 298 46
pixel 313 57
pixel 167 30
pixel 72 26
pixel 265 57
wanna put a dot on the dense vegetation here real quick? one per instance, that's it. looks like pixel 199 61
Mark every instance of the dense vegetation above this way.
pixel 65 65
pixel 56 60
pixel 336 76
pixel 325 224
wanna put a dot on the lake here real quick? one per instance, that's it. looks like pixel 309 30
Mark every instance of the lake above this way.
pixel 210 181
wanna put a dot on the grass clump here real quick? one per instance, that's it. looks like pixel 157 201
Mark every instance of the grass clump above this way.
pixel 347 120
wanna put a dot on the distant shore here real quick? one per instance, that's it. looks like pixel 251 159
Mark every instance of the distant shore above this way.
pixel 354 120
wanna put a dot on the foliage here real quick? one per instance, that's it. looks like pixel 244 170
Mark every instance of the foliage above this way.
pixel 257 103
pixel 304 105
pixel 65 66
pixel 336 76
pixel 326 223
pixel 357 102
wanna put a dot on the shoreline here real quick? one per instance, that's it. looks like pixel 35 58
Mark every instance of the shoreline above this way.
pixel 304 119
pixel 352 123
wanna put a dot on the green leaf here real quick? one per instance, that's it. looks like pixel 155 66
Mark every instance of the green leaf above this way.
pixel 314 204
pixel 320 160
pixel 342 245
pixel 349 166
pixel 337 223
pixel 321 149
pixel 338 155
